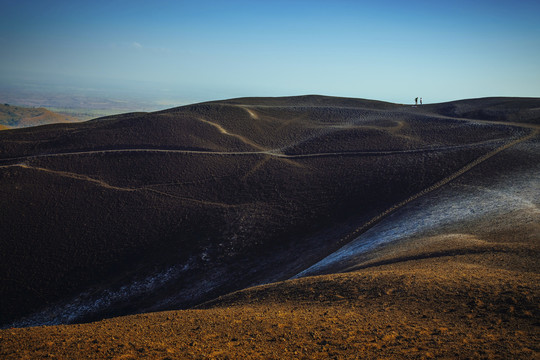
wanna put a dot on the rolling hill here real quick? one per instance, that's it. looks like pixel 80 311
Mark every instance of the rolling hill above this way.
pixel 17 116
pixel 363 225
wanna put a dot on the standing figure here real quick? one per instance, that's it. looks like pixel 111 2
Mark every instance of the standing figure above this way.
pixel 420 101
pixel 416 101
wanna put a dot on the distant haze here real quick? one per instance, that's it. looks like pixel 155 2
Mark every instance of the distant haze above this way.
pixel 176 52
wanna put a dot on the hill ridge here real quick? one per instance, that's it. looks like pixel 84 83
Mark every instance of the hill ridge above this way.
pixel 13 116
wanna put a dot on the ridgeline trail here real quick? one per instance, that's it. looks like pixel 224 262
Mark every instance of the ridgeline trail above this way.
pixel 273 153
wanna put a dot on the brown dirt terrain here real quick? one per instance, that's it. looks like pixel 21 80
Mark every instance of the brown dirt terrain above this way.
pixel 169 210
pixel 18 116
pixel 419 309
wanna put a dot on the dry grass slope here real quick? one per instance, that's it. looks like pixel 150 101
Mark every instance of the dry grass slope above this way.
pixel 17 116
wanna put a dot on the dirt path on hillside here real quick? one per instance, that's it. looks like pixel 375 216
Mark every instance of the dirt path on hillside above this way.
pixel 224 131
pixel 274 153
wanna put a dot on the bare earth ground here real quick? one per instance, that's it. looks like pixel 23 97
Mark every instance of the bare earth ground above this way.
pixel 449 274
pixel 17 116
pixel 427 309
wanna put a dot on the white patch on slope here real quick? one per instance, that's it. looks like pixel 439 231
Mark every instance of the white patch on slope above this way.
pixel 457 204
pixel 88 302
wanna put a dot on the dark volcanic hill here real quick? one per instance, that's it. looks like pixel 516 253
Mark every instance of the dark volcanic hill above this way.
pixel 166 210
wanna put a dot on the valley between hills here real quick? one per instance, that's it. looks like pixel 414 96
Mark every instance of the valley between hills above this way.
pixel 306 227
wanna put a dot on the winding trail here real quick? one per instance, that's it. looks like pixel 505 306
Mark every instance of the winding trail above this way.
pixel 251 113
pixel 275 153
pixel 224 131
pixel 75 176
pixel 106 185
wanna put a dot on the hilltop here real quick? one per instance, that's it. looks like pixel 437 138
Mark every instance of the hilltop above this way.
pixel 317 225
pixel 17 116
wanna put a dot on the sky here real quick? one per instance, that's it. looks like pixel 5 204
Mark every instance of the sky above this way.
pixel 208 50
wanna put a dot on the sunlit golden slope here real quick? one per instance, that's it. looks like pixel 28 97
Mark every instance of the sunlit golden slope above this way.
pixel 18 116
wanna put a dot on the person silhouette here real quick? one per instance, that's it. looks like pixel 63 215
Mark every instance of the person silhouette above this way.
pixel 416 101
pixel 420 101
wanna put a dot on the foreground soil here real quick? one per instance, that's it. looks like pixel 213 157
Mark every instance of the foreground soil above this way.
pixel 421 309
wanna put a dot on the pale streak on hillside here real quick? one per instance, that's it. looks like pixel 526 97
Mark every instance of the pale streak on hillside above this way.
pixel 224 131
pixel 246 140
pixel 251 113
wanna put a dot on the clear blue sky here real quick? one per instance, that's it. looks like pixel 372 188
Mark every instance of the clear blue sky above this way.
pixel 378 49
